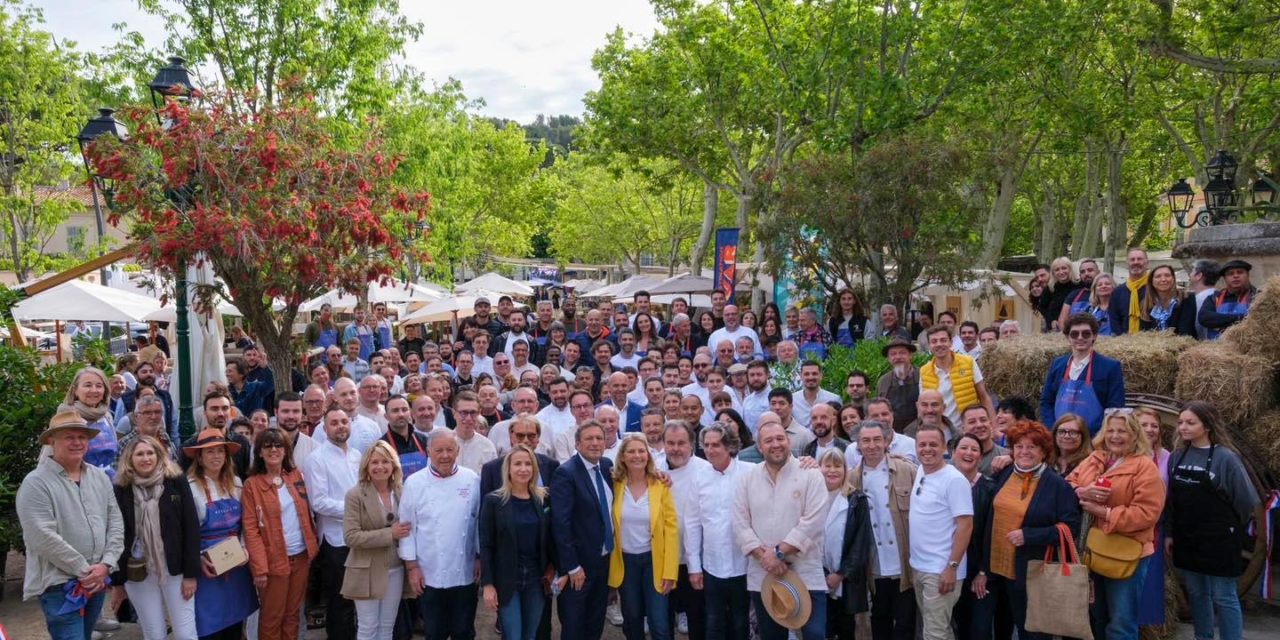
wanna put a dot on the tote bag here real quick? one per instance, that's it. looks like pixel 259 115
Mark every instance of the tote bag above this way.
pixel 1058 592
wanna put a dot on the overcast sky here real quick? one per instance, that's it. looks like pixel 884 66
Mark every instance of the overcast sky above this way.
pixel 524 57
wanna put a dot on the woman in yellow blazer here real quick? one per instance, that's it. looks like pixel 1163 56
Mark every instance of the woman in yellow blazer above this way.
pixel 645 561
pixel 375 576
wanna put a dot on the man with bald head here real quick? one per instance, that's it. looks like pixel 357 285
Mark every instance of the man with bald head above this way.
pixel 618 387
pixel 732 330
pixel 931 410
pixel 594 332
pixel 523 400
pixel 370 391
pixel 364 432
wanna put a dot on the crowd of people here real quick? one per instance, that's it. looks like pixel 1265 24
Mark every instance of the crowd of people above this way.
pixel 669 473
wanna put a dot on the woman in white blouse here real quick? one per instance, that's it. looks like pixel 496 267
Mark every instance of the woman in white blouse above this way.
pixel 644 562
pixel 846 547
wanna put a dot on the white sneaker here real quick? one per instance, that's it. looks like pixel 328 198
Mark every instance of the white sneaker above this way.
pixel 106 624
pixel 98 635
pixel 614 614
pixel 682 624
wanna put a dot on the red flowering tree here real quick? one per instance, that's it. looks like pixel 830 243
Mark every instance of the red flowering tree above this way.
pixel 273 202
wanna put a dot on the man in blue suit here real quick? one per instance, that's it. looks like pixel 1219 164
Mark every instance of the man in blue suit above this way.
pixel 581 521
pixel 1082 382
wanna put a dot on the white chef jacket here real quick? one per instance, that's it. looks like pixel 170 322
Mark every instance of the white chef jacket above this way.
pixel 719 554
pixel 329 473
pixel 800 407
pixel 875 483
pixel 684 488
pixel 444 513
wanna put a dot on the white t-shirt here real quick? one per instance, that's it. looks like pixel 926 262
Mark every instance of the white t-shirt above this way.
pixel 937 499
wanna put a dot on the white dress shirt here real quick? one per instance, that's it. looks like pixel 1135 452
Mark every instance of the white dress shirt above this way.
pixel 753 405
pixel 329 473
pixel 555 420
pixel 833 537
pixel 719 554
pixel 723 333
pixel 633 527
pixel 684 488
pixel 481 364
pixel 303 447
pixel 377 415
pixel 443 512
pixel 364 432
pixel 800 407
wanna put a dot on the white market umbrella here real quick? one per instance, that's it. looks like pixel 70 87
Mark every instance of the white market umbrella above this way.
pixel 335 298
pixel 169 313
pixel 690 284
pixel 621 289
pixel 451 308
pixel 80 300
pixel 495 283
pixel 399 292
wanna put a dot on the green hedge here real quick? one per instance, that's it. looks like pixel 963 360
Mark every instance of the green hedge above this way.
pixel 864 356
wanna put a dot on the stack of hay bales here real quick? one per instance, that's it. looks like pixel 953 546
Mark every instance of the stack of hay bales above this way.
pixel 1017 366
pixel 1237 374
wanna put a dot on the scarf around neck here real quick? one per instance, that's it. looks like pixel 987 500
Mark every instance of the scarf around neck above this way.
pixel 1134 285
pixel 146 502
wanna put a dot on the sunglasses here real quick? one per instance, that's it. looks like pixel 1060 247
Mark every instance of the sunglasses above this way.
pixel 920 488
pixel 272 445
pixel 1080 335
pixel 1070 433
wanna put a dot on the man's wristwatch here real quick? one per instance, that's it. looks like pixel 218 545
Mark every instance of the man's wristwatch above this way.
pixel 777 553
pixel 953 565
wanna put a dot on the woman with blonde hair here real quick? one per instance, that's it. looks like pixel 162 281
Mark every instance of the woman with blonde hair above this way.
pixel 1095 303
pixel 515 546
pixel 375 577
pixel 847 547
pixel 161 540
pixel 1119 486
pixel 223 602
pixel 1071 443
pixel 644 564
pixel 89 398
pixel 1062 285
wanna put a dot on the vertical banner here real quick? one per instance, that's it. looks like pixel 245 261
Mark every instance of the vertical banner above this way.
pixel 726 261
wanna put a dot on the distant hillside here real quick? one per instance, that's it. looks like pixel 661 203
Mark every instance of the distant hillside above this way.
pixel 556 131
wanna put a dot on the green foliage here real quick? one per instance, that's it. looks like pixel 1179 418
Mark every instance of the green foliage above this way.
pixel 41 107
pixel 865 356
pixel 29 396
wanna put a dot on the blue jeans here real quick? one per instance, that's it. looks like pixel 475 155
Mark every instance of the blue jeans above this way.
pixel 814 629
pixel 69 626
pixel 1114 612
pixel 640 600
pixel 522 613
pixel 727 602
pixel 1204 594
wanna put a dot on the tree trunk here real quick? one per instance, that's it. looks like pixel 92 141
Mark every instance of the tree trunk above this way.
pixel 1093 210
pixel 710 207
pixel 1117 235
pixel 1002 207
pixel 1048 224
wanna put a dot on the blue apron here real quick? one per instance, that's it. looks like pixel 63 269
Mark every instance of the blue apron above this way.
pixel 1239 307
pixel 813 351
pixel 365 336
pixel 103 448
pixel 384 335
pixel 410 463
pixel 1103 318
pixel 1077 396
pixel 228 598
pixel 328 338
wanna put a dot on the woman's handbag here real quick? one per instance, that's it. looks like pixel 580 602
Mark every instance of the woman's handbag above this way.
pixel 1058 592
pixel 1110 555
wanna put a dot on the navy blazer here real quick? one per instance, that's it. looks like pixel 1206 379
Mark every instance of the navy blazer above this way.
pixel 1118 308
pixel 1108 386
pixel 499 548
pixel 491 473
pixel 1054 501
pixel 575 513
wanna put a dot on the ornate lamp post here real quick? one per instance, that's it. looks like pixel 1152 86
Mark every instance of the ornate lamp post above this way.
pixel 105 124
pixel 173 81
pixel 1221 195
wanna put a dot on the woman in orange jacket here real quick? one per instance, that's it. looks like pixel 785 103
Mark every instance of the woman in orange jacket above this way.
pixel 278 535
pixel 1120 487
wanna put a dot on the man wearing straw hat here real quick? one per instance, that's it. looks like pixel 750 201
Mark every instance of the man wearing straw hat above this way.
pixel 778 516
pixel 72 529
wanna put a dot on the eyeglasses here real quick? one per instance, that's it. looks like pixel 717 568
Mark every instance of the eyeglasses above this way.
pixel 580 407
pixel 469 413
pixel 271 445
pixel 1080 335
pixel 1069 433
pixel 702 365
pixel 520 437
pixel 149 412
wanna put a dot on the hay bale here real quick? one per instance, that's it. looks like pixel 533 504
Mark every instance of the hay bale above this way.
pixel 1241 386
pixel 1259 333
pixel 1149 359
pixel 1018 365
pixel 1262 436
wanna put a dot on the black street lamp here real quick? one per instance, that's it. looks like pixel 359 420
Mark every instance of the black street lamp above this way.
pixel 105 124
pixel 173 81
pixel 1221 195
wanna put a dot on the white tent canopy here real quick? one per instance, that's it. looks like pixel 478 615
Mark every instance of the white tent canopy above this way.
pixel 395 291
pixel 454 307
pixel 79 300
pixel 495 283
pixel 169 313
pixel 690 284
pixel 625 288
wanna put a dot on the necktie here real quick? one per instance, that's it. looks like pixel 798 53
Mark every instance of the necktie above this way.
pixel 604 511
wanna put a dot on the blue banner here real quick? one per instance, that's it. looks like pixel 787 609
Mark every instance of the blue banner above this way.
pixel 726 271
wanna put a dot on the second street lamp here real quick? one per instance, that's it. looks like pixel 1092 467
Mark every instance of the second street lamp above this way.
pixel 104 124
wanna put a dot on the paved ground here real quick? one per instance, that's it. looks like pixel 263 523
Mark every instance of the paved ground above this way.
pixel 23 621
